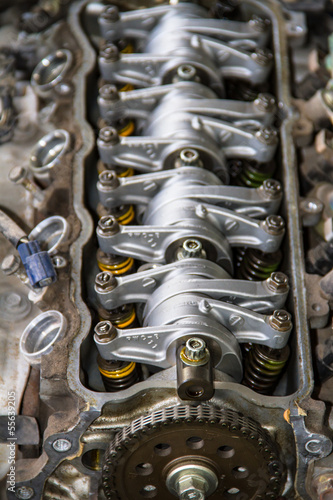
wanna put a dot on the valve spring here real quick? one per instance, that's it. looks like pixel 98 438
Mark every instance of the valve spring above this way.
pixel 125 127
pixel 124 213
pixel 120 171
pixel 118 375
pixel 121 317
pixel 115 264
pixel 255 265
pixel 250 173
pixel 263 367
pixel 243 91
pixel 125 47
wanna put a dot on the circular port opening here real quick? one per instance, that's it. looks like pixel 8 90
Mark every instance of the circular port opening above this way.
pixel 51 70
pixel 41 334
pixel 50 233
pixel 48 151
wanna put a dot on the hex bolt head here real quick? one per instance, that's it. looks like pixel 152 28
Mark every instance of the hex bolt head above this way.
pixel 195 352
pixel 10 264
pixel 24 492
pixel 110 52
pixel 280 320
pixel 278 282
pixel 271 188
pixel 195 349
pixel 61 445
pixel 108 225
pixel 105 331
pixel 192 488
pixel 274 224
pixel 267 136
pixel 105 281
pixel 192 248
pixel 109 92
pixel 109 179
pixel 17 175
pixel 111 14
pixel 189 157
pixel 186 72
pixel 109 135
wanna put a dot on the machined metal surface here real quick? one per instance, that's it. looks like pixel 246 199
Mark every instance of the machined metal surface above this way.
pixel 182 95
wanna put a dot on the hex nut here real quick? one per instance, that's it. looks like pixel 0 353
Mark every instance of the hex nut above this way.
pixel 105 281
pixel 271 188
pixel 110 53
pixel 278 282
pixel 109 92
pixel 105 331
pixel 265 102
pixel 274 224
pixel 108 225
pixel 109 179
pixel 111 14
pixel 109 135
pixel 280 320
pixel 267 136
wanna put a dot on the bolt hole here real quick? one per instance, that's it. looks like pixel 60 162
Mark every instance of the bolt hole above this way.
pixel 195 443
pixel 162 449
pixel 316 307
pixel 240 472
pixel 225 451
pixel 93 459
pixel 144 469
pixel 149 491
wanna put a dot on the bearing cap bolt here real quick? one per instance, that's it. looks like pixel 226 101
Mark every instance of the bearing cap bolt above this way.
pixel 109 135
pixel 109 92
pixel 105 331
pixel 191 248
pixel 186 72
pixel 189 157
pixel 109 179
pixel 105 281
pixel 108 225
pixel 195 349
pixel 274 224
pixel 280 320
pixel 278 282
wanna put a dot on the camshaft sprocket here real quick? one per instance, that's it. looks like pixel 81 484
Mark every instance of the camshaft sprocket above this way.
pixel 239 451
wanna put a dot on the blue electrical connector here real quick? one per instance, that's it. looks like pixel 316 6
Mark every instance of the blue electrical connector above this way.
pixel 37 263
